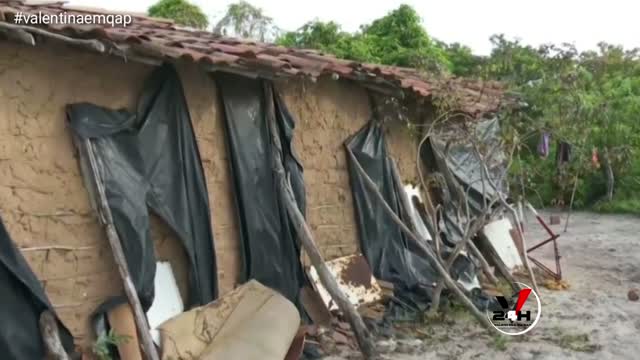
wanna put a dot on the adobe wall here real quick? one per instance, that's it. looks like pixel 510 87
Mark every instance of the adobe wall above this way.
pixel 43 201
pixel 327 113
pixel 46 209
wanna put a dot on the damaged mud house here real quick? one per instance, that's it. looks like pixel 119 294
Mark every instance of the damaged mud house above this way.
pixel 178 140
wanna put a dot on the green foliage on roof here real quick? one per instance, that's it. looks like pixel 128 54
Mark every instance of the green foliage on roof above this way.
pixel 180 11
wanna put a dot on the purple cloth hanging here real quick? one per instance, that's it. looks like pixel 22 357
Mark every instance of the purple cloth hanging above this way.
pixel 543 145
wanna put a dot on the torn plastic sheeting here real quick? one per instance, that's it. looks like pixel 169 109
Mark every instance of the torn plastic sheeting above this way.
pixel 149 159
pixel 23 301
pixel 270 252
pixel 252 322
pixel 383 244
pixel 354 278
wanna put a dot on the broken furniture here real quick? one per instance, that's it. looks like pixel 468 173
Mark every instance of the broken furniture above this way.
pixel 251 322
pixel 354 279
pixel 553 237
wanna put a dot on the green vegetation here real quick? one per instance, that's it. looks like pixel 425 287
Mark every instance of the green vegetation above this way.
pixel 180 11
pixel 499 342
pixel 397 38
pixel 246 21
pixel 588 99
pixel 104 343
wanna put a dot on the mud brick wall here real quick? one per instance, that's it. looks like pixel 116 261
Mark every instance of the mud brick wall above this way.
pixel 43 201
pixel 327 113
pixel 46 208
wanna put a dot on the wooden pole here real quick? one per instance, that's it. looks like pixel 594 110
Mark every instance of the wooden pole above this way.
pixel 106 218
pixel 573 195
pixel 484 264
pixel 303 231
pixel 472 227
pixel 421 246
pixel 511 210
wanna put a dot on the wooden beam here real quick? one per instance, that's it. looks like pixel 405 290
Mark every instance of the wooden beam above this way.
pixel 19 35
pixel 128 54
pixel 303 231
pixel 91 44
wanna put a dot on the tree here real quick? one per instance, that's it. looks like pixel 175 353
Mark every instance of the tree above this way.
pixel 330 38
pixel 462 61
pixel 588 99
pixel 395 39
pixel 399 39
pixel 246 21
pixel 180 11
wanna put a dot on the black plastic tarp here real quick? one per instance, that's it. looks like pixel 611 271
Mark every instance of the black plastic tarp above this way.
pixel 23 300
pixel 270 252
pixel 149 159
pixel 386 248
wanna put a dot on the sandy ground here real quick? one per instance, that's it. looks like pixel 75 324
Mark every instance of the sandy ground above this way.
pixel 593 319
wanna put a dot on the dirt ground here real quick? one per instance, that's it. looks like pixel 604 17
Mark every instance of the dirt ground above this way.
pixel 593 319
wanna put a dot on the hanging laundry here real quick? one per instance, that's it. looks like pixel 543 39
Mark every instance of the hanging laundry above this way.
pixel 595 159
pixel 543 145
pixel 564 153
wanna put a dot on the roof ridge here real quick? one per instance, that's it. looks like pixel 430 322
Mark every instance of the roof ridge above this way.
pixel 154 40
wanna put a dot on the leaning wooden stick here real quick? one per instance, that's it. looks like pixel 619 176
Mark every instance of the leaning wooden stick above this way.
pixel 404 202
pixel 471 228
pixel 512 211
pixel 420 245
pixel 104 212
pixel 303 231
pixel 484 264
